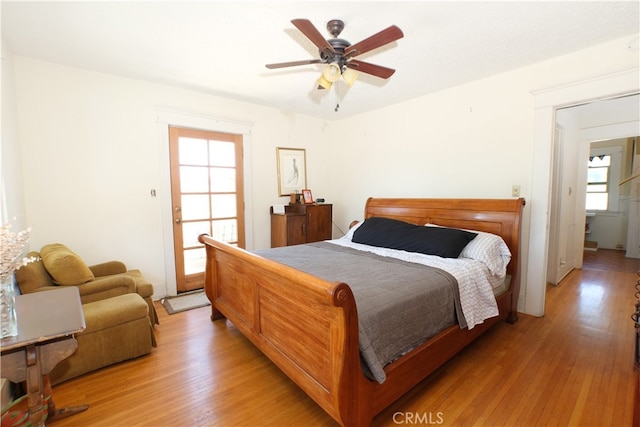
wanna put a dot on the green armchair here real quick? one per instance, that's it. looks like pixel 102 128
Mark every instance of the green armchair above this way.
pixel 116 302
pixel 59 266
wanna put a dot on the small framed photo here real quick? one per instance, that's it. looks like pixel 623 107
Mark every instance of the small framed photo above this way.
pixel 292 170
pixel 307 198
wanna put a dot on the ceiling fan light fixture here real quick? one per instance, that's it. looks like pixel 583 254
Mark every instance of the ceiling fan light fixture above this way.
pixel 323 83
pixel 350 76
pixel 332 72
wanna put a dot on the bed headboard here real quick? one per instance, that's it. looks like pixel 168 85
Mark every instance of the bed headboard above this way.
pixel 498 216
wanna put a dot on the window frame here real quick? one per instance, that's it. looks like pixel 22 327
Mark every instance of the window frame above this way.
pixel 597 184
pixel 612 179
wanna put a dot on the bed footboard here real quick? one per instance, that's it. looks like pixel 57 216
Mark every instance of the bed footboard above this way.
pixel 307 326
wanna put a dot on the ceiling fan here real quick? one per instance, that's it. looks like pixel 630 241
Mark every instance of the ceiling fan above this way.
pixel 339 54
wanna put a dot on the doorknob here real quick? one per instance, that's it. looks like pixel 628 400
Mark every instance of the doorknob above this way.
pixel 178 221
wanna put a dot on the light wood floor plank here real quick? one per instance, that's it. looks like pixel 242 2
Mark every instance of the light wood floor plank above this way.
pixel 572 367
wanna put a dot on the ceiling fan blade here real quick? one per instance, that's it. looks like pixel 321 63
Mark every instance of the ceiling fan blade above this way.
pixel 385 36
pixel 306 27
pixel 293 63
pixel 374 70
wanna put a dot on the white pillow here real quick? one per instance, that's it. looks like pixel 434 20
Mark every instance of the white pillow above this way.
pixel 352 230
pixel 489 249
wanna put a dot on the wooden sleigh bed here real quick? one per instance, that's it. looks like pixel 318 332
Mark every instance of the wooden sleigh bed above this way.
pixel 308 326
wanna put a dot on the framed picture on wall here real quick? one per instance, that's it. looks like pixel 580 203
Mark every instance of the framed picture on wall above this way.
pixel 292 170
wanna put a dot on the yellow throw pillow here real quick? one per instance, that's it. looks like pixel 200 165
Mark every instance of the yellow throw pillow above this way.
pixel 64 266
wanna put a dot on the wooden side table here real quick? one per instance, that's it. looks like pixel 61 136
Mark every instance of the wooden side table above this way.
pixel 301 223
pixel 46 324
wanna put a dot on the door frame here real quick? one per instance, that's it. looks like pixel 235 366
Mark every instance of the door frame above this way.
pixel 166 118
pixel 547 100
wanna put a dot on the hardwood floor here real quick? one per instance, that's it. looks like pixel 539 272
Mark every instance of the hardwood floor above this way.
pixel 610 259
pixel 573 367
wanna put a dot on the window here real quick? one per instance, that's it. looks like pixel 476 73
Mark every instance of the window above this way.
pixel 598 180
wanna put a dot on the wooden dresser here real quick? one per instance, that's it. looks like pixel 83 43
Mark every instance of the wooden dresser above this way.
pixel 301 223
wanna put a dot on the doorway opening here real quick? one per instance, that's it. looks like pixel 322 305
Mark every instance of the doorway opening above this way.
pixel 588 129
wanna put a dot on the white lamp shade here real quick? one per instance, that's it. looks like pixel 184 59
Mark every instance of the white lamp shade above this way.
pixel 332 72
pixel 324 83
pixel 350 76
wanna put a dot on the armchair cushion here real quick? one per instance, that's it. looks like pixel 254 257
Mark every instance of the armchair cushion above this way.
pixel 33 276
pixel 64 266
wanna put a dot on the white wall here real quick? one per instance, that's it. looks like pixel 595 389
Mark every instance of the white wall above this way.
pixel 92 153
pixel 98 153
pixel 474 140
pixel 12 209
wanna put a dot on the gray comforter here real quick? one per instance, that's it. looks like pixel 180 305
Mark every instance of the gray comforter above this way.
pixel 400 304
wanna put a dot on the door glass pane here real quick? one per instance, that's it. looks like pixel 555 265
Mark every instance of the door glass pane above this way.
pixel 223 180
pixel 225 230
pixel 223 205
pixel 195 206
pixel 193 179
pixel 192 151
pixel 194 260
pixel 191 231
pixel 222 153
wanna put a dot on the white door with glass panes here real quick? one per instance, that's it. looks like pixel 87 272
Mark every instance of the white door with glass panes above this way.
pixel 207 197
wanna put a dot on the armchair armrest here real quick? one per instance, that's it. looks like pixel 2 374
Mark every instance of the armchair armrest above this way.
pixel 106 287
pixel 108 268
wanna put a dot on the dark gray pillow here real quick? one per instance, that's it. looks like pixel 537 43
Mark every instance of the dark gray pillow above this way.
pixel 395 234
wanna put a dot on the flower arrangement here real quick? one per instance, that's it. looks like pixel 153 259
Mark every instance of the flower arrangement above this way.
pixel 11 249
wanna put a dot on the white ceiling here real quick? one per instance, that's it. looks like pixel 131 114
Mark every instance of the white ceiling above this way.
pixel 221 47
